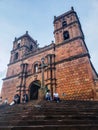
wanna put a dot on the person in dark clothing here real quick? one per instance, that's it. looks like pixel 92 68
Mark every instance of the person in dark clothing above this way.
pixel 16 100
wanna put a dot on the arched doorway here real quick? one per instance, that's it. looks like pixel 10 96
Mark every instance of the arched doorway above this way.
pixel 34 87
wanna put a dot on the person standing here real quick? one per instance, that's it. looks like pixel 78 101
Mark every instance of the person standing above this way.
pixel 25 98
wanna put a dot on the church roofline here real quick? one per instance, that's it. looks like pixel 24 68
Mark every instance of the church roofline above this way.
pixel 64 14
pixel 25 35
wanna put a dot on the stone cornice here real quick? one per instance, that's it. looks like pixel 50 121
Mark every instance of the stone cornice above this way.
pixel 20 48
pixel 14 76
pixel 65 26
pixel 73 58
pixel 68 41
pixel 65 14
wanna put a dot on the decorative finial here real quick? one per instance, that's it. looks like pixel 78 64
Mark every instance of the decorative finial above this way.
pixel 54 17
pixel 72 8
pixel 52 42
pixel 26 32
pixel 15 38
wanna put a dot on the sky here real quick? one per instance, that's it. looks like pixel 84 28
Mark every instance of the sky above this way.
pixel 36 17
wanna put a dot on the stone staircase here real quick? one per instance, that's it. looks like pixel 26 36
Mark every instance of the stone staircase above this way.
pixel 46 115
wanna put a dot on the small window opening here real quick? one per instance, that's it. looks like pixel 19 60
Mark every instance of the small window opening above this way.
pixel 66 35
pixel 64 23
pixel 16 56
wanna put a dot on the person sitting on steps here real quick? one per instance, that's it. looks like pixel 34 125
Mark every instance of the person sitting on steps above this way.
pixel 6 101
pixel 48 96
pixel 56 97
pixel 16 100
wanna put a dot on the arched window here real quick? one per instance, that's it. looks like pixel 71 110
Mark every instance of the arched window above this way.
pixel 35 68
pixel 16 56
pixel 66 35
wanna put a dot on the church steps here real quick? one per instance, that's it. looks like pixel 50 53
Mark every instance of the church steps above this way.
pixel 52 127
pixel 50 115
pixel 46 122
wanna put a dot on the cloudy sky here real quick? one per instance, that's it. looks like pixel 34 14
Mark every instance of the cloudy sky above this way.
pixel 36 16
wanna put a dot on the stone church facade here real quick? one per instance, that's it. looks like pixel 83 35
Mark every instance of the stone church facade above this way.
pixel 63 66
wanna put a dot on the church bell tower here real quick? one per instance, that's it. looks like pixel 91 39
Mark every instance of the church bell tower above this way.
pixel 74 70
pixel 67 27
pixel 21 46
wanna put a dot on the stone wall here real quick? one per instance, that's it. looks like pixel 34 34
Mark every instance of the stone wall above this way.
pixel 69 70
pixel 74 79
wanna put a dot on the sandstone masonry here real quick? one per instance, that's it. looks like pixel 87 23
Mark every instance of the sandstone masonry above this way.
pixel 67 66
